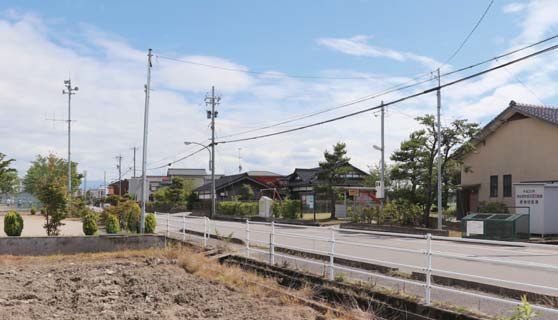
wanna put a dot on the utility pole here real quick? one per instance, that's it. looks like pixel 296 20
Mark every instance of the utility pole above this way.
pixel 212 114
pixel 134 149
pixel 119 166
pixel 69 91
pixel 438 93
pixel 144 151
pixel 383 165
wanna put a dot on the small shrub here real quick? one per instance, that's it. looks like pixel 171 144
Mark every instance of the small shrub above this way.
pixel 340 277
pixel 33 210
pixel 112 225
pixel 89 224
pixel 13 224
pixel 150 223
pixel 43 211
pixel 237 208
pixel 524 311
pixel 287 209
pixel 190 263
pixel 492 207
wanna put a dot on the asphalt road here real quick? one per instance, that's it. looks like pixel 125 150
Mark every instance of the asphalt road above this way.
pixel 357 244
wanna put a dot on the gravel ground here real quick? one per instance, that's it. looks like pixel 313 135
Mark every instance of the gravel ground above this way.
pixel 125 288
pixel 33 226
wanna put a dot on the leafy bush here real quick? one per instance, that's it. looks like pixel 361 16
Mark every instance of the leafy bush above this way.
pixel 33 210
pixel 403 212
pixel 287 209
pixel 367 215
pixel 13 224
pixel 492 207
pixel 524 311
pixel 112 225
pixel 132 212
pixel 89 224
pixel 150 223
pixel 237 208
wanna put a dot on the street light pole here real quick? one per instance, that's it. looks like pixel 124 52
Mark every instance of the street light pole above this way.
pixel 210 166
pixel 69 91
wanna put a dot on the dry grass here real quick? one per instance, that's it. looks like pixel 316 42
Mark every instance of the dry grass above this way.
pixel 194 262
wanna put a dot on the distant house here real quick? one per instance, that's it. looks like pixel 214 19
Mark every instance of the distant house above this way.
pixel 303 181
pixel 267 177
pixel 154 183
pixel 197 176
pixel 228 187
pixel 516 146
pixel 114 188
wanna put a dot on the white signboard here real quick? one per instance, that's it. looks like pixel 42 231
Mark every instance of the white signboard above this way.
pixel 475 227
pixel 531 196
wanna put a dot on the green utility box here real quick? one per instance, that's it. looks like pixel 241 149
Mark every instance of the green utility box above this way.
pixel 496 226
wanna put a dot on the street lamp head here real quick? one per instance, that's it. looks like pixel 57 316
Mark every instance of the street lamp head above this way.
pixel 187 143
pixel 66 81
pixel 377 148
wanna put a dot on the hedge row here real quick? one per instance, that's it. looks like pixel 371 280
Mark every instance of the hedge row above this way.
pixel 287 209
pixel 237 208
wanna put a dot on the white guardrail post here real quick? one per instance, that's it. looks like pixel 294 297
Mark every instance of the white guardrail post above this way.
pixel 272 244
pixel 183 227
pixel 247 238
pixel 331 270
pixel 205 223
pixel 168 224
pixel 428 273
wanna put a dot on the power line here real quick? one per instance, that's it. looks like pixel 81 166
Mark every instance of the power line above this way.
pixel 175 161
pixel 554 47
pixel 469 35
pixel 400 87
pixel 269 73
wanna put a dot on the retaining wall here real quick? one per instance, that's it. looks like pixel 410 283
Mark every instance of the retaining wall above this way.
pixel 44 246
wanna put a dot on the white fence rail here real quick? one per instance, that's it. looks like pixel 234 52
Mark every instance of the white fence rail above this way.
pixel 201 228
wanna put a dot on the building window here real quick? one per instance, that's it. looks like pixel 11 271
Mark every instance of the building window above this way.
pixel 493 186
pixel 507 185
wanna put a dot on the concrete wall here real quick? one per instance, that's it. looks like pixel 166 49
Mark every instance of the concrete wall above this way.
pixel 44 246
pixel 523 148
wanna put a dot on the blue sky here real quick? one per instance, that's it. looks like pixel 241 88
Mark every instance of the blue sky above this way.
pixel 102 44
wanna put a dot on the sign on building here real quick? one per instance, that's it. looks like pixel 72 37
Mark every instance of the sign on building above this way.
pixel 540 200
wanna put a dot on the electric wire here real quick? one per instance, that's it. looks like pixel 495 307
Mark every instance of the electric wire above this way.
pixel 451 83
pixel 271 73
pixel 401 87
pixel 479 21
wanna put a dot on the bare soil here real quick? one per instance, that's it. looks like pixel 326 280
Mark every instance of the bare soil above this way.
pixel 126 287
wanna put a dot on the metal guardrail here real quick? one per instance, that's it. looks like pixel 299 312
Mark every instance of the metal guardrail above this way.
pixel 184 223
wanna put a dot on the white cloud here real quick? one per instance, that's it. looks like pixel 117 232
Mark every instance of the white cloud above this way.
pixel 109 106
pixel 358 46
pixel 514 7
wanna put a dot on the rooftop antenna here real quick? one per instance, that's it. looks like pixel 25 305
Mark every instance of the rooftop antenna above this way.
pixel 239 161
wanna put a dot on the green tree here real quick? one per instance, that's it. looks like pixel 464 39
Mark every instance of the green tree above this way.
pixel 40 167
pixel 333 172
pixel 415 161
pixel 8 176
pixel 51 190
pixel 176 193
pixel 246 192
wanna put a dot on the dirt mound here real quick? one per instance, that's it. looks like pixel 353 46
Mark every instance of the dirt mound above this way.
pixel 127 288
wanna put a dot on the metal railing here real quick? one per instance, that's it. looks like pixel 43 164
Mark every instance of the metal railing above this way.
pixel 200 227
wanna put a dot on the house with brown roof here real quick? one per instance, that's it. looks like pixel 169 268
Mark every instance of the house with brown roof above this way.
pixel 518 145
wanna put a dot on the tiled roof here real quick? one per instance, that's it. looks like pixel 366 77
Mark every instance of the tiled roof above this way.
pixel 226 181
pixel 544 113
pixel 260 173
